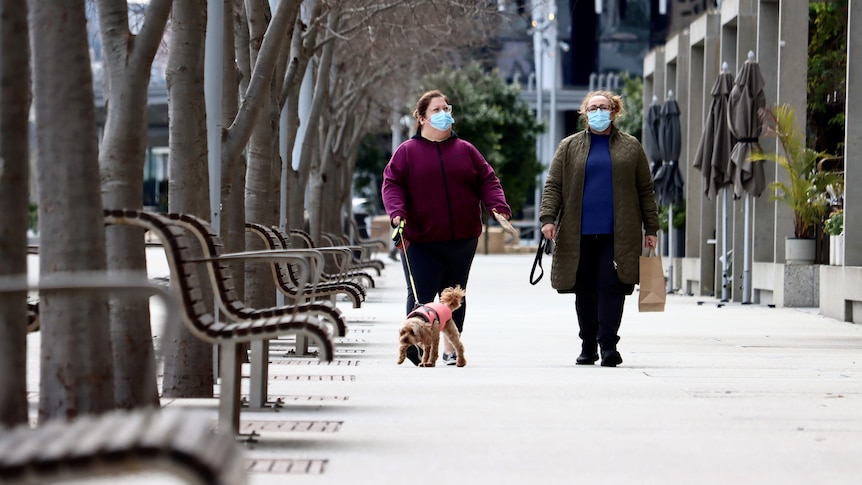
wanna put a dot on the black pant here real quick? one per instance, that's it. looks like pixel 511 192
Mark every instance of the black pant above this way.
pixel 599 293
pixel 436 266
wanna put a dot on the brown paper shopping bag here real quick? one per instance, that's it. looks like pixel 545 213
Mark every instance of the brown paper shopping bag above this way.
pixel 652 294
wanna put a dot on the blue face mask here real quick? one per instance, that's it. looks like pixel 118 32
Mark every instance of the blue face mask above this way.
pixel 599 119
pixel 442 120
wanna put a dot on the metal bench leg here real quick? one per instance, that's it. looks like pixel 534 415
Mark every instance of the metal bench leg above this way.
pixel 302 346
pixel 259 386
pixel 231 377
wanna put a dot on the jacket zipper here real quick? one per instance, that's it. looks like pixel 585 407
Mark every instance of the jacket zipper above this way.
pixel 446 190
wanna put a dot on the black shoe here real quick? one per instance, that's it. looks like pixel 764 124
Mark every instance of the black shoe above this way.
pixel 414 354
pixel 611 358
pixel 587 358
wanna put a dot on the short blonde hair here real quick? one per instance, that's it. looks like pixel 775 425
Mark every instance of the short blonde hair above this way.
pixel 615 101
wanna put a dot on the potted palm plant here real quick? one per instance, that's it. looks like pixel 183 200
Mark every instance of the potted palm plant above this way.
pixel 834 226
pixel 804 192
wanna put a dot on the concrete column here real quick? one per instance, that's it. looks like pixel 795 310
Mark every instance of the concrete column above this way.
pixel 763 224
pixel 853 138
pixel 681 91
pixel 705 64
pixel 658 81
pixel 791 89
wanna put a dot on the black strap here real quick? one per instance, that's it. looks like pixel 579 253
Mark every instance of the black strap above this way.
pixel 538 261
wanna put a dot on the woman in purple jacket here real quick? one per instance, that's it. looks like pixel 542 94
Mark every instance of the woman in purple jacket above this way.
pixel 436 184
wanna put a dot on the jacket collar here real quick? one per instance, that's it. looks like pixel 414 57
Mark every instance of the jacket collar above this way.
pixel 418 135
pixel 614 130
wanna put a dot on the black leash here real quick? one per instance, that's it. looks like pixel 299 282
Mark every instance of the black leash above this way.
pixel 401 243
pixel 538 261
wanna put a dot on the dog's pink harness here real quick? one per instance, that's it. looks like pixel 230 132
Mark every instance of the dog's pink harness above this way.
pixel 441 313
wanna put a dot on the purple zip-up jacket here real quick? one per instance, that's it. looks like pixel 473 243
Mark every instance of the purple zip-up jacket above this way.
pixel 438 189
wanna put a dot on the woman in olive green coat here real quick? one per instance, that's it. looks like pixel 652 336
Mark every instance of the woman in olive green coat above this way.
pixel 598 206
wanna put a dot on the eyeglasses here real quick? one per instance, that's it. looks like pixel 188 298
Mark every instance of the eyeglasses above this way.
pixel 603 107
pixel 447 108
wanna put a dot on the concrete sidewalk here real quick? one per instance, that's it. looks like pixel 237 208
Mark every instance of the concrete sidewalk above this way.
pixel 737 394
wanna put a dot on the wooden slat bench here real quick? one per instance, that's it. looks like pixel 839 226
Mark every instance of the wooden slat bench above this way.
pixel 106 281
pixel 286 280
pixel 228 299
pixel 119 442
pixel 372 244
pixel 221 278
pixel 202 323
pixel 341 256
pixel 362 254
pixel 176 441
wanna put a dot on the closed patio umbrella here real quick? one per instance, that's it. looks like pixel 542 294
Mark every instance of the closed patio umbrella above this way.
pixel 713 151
pixel 746 99
pixel 668 180
pixel 651 135
pixel 713 159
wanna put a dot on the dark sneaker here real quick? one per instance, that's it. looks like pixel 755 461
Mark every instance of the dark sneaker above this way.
pixel 414 354
pixel 611 358
pixel 450 359
pixel 587 358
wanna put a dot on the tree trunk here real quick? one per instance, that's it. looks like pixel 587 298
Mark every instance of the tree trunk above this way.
pixel 259 198
pixel 14 184
pixel 128 60
pixel 302 48
pixel 321 88
pixel 233 168
pixel 188 361
pixel 76 375
pixel 237 71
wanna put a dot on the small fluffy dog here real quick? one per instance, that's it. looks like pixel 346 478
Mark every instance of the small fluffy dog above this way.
pixel 424 324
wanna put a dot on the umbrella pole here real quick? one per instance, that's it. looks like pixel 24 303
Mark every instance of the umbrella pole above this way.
pixel 724 245
pixel 746 243
pixel 670 249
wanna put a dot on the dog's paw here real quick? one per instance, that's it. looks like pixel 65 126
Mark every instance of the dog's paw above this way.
pixel 460 362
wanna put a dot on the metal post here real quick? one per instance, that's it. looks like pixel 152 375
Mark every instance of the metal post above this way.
pixel 724 258
pixel 538 48
pixel 552 113
pixel 537 194
pixel 213 64
pixel 746 243
pixel 670 249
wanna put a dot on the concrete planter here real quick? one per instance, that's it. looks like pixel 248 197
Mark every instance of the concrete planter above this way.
pixel 799 251
pixel 836 250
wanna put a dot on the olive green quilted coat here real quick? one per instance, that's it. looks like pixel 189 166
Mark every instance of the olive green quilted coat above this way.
pixel 635 212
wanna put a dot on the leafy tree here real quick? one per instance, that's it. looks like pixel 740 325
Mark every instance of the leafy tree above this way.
pixel 827 67
pixel 490 114
pixel 633 99
pixel 370 162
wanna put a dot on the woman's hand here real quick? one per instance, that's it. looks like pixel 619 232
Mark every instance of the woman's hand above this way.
pixel 650 241
pixel 549 231
pixel 396 221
